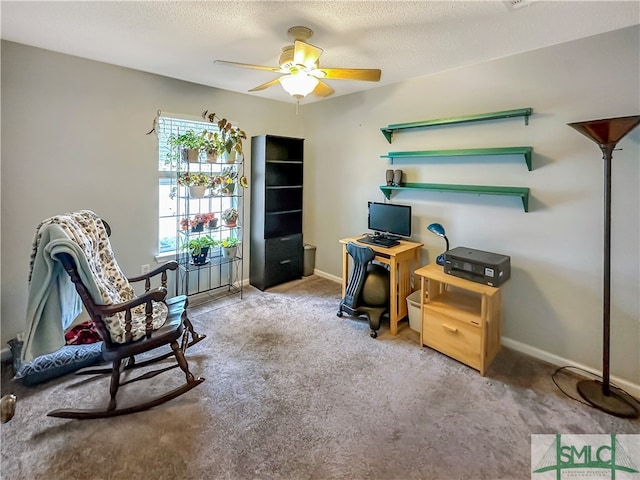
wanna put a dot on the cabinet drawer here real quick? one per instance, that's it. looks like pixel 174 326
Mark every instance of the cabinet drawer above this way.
pixel 452 337
pixel 283 271
pixel 283 259
pixel 282 248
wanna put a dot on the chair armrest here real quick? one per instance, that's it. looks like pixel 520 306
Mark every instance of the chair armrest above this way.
pixel 157 294
pixel 162 269
pixel 170 265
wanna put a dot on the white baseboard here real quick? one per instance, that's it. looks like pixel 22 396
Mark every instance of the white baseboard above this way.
pixel 628 386
pixel 328 276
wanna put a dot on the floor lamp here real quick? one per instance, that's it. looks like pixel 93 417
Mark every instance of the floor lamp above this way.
pixel 607 133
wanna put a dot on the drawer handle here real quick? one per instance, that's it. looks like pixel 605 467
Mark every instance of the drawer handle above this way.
pixel 451 329
pixel 285 239
pixel 282 262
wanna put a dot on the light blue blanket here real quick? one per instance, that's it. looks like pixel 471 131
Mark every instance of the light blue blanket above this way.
pixel 53 303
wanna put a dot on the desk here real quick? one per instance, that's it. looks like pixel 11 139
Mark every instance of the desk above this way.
pixel 399 259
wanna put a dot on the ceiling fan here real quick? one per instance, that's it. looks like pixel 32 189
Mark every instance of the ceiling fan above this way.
pixel 301 71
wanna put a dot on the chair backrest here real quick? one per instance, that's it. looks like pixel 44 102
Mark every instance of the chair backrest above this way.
pixel 71 268
pixel 88 237
pixel 361 257
pixel 87 257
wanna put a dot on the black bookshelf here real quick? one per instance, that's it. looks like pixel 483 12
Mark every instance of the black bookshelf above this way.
pixel 276 210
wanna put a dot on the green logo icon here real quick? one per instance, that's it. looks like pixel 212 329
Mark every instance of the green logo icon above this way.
pixel 582 456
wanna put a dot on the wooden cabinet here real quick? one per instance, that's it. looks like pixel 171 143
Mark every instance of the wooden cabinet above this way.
pixel 460 318
pixel 276 210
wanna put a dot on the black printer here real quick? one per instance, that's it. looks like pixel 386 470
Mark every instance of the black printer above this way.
pixel 478 266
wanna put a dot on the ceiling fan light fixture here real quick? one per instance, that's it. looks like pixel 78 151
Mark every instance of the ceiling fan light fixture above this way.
pixel 300 66
pixel 298 85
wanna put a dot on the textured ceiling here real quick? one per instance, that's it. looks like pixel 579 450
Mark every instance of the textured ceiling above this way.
pixel 405 39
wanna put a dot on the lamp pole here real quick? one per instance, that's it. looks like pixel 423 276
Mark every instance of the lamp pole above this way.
pixel 606 133
pixel 607 152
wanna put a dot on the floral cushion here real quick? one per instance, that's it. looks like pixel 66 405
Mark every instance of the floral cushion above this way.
pixel 87 230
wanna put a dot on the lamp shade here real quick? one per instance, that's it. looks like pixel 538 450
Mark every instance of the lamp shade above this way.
pixel 298 85
pixel 607 131
pixel 436 228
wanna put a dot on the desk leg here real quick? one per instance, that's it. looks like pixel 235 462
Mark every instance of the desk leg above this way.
pixel 393 306
pixel 345 269
pixel 400 290
pixel 423 296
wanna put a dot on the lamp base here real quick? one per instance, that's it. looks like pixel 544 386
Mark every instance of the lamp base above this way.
pixel 617 403
pixel 440 259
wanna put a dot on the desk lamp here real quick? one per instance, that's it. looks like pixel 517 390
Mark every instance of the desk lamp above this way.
pixel 607 133
pixel 438 229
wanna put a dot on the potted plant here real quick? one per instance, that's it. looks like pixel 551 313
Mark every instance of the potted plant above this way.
pixel 212 145
pixel 230 136
pixel 199 221
pixel 232 139
pixel 190 143
pixel 196 181
pixel 230 217
pixel 187 223
pixel 227 181
pixel 229 247
pixel 199 249
pixel 209 219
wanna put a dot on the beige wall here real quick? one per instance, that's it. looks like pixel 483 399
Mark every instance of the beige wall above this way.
pixel 552 304
pixel 73 137
pixel 72 128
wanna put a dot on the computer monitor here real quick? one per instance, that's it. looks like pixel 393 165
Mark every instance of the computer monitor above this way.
pixel 389 219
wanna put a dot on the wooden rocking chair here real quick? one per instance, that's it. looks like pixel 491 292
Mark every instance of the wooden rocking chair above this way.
pixel 125 332
pixel 131 362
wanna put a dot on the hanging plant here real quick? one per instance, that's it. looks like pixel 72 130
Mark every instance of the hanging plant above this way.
pixel 230 137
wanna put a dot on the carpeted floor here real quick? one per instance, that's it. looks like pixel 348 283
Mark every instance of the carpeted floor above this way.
pixel 294 392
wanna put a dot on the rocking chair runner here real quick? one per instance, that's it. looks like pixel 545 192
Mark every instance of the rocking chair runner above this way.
pixel 129 325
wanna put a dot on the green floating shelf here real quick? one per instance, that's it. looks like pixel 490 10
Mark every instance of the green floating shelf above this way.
pixel 521 112
pixel 524 151
pixel 521 192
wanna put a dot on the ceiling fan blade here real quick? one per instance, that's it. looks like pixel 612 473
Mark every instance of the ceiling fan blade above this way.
pixel 305 54
pixel 322 89
pixel 365 74
pixel 265 85
pixel 248 65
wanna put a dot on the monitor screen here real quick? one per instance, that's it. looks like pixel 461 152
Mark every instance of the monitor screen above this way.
pixel 387 218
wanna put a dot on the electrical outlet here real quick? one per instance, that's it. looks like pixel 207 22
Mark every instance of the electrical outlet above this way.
pixel 145 269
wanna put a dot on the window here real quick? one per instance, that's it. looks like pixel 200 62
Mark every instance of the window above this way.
pixel 168 164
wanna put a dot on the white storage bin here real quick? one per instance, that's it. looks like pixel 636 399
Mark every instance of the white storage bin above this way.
pixel 413 306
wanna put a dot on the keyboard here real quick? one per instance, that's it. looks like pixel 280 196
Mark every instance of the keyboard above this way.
pixel 379 241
